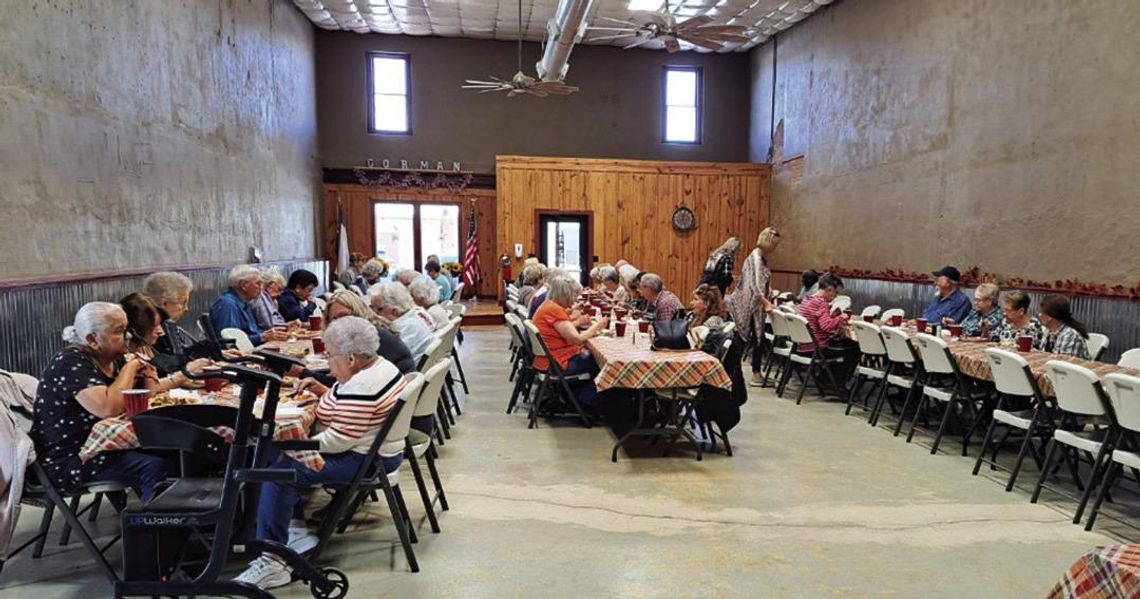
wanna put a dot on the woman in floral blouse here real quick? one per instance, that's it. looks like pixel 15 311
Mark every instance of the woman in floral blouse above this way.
pixel 1063 333
pixel 1018 322
pixel 986 316
pixel 749 303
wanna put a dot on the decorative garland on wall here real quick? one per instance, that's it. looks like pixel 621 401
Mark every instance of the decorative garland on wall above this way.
pixel 399 179
pixel 975 276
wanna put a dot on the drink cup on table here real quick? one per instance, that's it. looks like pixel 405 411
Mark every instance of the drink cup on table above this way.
pixel 314 323
pixel 896 321
pixel 955 331
pixel 1024 343
pixel 215 384
pixel 920 324
pixel 318 345
pixel 868 318
pixel 135 401
pixel 619 328
pixel 643 326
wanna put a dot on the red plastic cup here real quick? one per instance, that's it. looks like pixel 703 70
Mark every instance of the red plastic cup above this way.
pixel 619 329
pixel 620 313
pixel 643 326
pixel 920 324
pixel 955 331
pixel 1024 343
pixel 896 321
pixel 318 345
pixel 136 401
pixel 868 318
pixel 213 385
pixel 314 323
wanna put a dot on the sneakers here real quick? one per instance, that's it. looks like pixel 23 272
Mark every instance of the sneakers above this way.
pixel 756 382
pixel 265 573
pixel 301 540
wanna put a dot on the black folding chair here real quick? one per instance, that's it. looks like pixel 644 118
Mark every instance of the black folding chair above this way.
pixel 553 375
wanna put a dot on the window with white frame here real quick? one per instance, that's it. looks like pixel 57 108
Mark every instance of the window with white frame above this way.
pixel 682 98
pixel 389 99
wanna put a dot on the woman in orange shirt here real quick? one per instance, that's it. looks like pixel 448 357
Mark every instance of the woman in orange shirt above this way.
pixel 557 326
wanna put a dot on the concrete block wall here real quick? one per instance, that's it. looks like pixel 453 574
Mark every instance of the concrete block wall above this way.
pixel 141 133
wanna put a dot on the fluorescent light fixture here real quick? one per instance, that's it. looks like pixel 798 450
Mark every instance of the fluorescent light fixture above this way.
pixel 650 5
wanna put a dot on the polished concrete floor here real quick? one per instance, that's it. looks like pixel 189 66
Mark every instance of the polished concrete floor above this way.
pixel 814 504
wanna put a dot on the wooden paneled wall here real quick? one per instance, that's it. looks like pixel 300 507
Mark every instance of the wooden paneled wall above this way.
pixel 632 202
pixel 358 199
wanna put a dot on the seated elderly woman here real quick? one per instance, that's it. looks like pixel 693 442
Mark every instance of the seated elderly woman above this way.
pixel 826 328
pixel 170 291
pixel 986 314
pixel 439 278
pixel 264 307
pixel 531 279
pixel 83 384
pixel 349 416
pixel 144 330
pixel 1063 334
pixel 540 294
pixel 405 276
pixel 426 295
pixel 296 301
pixel 231 309
pixel 659 301
pixel 348 303
pixel 611 284
pixel 1017 322
pixel 557 326
pixel 356 262
pixel 370 274
pixel 392 301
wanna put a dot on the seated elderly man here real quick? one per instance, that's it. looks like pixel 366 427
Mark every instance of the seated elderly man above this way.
pixel 443 280
pixel 660 301
pixel 986 315
pixel 426 296
pixel 369 275
pixel 231 310
pixel 83 384
pixel 949 304
pixel 611 284
pixel 264 307
pixel 349 416
pixel 170 291
pixel 414 325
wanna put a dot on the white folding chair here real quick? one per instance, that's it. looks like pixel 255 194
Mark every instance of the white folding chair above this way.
pixel 240 339
pixel 322 305
pixel 1080 397
pixel 800 334
pixel 1123 392
pixel 781 346
pixel 1014 379
pixel 729 329
pixel 1097 343
pixel 901 373
pixel 872 363
pixel 419 442
pixel 872 311
pixel 944 383
pixel 840 303
pixel 888 314
pixel 1130 359
pixel 338 286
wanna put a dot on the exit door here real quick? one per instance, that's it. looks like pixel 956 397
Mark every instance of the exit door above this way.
pixel 564 241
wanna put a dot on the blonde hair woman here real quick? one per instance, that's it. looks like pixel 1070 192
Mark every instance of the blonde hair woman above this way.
pixel 349 303
pixel 749 303
pixel 719 266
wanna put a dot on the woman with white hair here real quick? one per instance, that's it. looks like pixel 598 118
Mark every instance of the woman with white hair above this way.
pixel 559 331
pixel 170 291
pixel 530 280
pixel 749 303
pixel 611 284
pixel 370 275
pixel 348 303
pixel 83 384
pixel 718 268
pixel 350 414
pixel 264 307
pixel 426 295
pixel 392 301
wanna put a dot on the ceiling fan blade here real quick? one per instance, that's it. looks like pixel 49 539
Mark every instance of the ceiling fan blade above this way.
pixel 723 38
pixel 589 29
pixel 697 21
pixel 637 42
pixel 703 42
pixel 607 38
pixel 737 29
pixel 671 44
pixel 663 21
pixel 625 22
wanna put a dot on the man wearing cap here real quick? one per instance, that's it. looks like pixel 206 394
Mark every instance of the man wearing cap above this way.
pixel 950 301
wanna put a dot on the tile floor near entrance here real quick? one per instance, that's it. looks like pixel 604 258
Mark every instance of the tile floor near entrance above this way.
pixel 814 504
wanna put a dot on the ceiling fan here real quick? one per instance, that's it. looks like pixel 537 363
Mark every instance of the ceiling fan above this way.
pixel 663 26
pixel 521 83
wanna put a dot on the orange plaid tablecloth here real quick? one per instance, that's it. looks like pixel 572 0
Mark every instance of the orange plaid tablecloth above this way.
pixel 1102 573
pixel 972 360
pixel 118 434
pixel 301 348
pixel 628 365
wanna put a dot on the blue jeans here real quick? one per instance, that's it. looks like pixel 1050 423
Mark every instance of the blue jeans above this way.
pixel 279 500
pixel 137 470
pixel 584 364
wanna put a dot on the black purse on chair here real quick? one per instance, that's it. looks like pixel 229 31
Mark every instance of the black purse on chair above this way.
pixel 671 334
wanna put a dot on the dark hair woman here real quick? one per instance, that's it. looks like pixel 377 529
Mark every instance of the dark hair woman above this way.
pixel 294 302
pixel 1063 333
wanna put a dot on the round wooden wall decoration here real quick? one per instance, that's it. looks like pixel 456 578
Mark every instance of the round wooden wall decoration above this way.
pixel 684 220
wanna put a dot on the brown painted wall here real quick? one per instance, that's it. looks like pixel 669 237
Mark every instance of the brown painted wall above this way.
pixel 617 113
pixel 140 134
pixel 632 203
pixel 999 134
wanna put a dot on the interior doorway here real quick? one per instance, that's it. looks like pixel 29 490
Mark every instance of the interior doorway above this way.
pixel 564 240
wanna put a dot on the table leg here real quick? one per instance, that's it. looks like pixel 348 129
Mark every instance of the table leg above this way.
pixel 636 427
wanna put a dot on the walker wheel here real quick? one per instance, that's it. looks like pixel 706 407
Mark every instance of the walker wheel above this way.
pixel 336 579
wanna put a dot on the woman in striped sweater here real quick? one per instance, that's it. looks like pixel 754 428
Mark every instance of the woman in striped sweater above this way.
pixel 349 416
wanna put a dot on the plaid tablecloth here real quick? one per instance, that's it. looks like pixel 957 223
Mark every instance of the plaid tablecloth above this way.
pixel 972 360
pixel 1102 573
pixel 118 434
pixel 300 348
pixel 629 365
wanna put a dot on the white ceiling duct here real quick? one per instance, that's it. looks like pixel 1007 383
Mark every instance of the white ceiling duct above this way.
pixel 562 32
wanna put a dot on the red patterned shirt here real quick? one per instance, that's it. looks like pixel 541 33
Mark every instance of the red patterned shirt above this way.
pixel 821 323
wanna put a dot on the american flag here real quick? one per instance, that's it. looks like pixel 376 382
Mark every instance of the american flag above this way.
pixel 472 271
